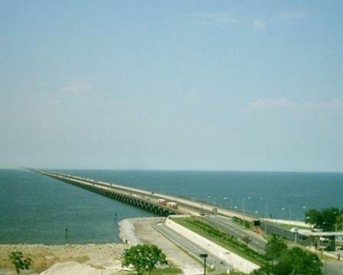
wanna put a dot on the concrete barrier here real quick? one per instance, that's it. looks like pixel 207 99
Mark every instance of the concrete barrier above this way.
pixel 288 222
pixel 234 260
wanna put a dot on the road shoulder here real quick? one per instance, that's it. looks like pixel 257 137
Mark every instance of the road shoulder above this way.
pixel 145 232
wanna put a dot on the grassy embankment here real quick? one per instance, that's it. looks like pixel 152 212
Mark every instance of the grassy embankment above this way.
pixel 171 270
pixel 221 238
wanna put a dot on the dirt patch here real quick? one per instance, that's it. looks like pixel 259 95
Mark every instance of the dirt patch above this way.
pixel 104 256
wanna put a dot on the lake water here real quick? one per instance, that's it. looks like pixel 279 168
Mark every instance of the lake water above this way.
pixel 38 209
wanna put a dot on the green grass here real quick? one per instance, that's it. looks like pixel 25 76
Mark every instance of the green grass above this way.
pixel 233 273
pixel 170 270
pixel 241 222
pixel 221 238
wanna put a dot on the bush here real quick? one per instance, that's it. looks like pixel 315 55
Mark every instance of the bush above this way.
pixel 144 257
pixel 19 262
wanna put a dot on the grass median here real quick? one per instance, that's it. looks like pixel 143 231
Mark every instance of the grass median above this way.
pixel 221 238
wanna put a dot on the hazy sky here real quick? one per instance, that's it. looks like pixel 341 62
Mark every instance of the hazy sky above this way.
pixel 182 84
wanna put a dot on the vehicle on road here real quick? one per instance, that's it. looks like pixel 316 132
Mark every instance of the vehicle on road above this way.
pixel 294 230
pixel 162 201
pixel 172 204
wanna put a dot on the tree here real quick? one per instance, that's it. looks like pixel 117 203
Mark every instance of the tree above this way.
pixel 294 261
pixel 313 217
pixel 325 219
pixel 264 270
pixel 339 222
pixel 329 218
pixel 298 261
pixel 275 248
pixel 144 257
pixel 19 262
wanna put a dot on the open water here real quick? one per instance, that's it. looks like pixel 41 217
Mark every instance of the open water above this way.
pixel 38 209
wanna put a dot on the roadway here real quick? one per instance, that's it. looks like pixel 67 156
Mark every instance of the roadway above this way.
pixel 256 241
pixel 184 206
pixel 273 229
pixel 219 217
pixel 213 262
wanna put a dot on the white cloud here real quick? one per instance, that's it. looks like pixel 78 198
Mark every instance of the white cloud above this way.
pixel 296 14
pixel 266 103
pixel 283 103
pixel 324 105
pixel 76 87
pixel 260 25
pixel 226 19
pixel 218 18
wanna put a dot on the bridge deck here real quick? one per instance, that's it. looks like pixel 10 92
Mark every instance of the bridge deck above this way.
pixel 147 200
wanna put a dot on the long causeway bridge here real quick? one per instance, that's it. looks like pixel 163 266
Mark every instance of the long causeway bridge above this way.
pixel 166 205
pixel 160 204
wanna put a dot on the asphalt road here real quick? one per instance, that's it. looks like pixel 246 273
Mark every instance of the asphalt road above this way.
pixel 212 261
pixel 273 229
pixel 333 268
pixel 146 233
pixel 257 242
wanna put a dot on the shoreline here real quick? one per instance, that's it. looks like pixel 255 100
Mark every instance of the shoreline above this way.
pixel 89 258
pixel 98 259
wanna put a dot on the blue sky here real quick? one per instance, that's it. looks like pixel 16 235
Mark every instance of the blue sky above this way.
pixel 189 85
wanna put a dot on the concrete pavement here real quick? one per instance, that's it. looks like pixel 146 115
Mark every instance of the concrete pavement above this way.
pixel 147 234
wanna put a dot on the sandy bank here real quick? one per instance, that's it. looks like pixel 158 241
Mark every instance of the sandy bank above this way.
pixel 101 257
pixel 94 259
pixel 73 259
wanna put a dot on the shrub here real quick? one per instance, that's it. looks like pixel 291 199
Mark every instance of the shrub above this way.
pixel 19 262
